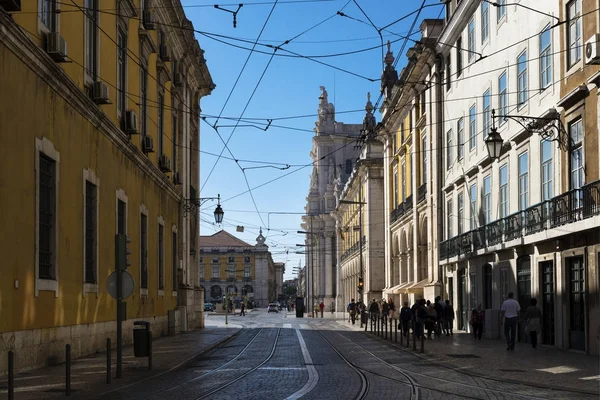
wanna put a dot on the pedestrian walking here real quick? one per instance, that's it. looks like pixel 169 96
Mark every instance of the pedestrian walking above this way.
pixel 534 322
pixel 352 311
pixel 374 310
pixel 392 307
pixel 509 314
pixel 242 310
pixel 477 318
pixel 385 310
pixel 449 318
pixel 321 307
pixel 439 310
pixel 405 317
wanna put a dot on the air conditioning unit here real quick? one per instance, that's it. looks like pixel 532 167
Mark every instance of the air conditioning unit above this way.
pixel 592 50
pixel 164 52
pixel 164 163
pixel 11 5
pixel 148 20
pixel 148 144
pixel 56 47
pixel 177 178
pixel 100 93
pixel 130 123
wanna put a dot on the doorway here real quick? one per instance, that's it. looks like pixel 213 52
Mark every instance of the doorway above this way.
pixel 576 276
pixel 462 300
pixel 548 291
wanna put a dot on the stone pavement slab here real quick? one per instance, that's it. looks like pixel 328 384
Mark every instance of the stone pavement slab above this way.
pixel 88 374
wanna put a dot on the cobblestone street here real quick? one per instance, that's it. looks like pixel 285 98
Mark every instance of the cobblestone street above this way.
pixel 280 356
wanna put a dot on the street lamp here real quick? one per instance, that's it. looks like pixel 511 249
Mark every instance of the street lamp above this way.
pixel 192 205
pixel 494 141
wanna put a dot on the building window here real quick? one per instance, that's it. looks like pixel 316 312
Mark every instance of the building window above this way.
pixel 423 108
pixel 461 212
pixel 47 14
pixel 545 58
pixel 160 123
pixel 472 127
pixel 402 136
pixel 91 39
pixel 91 207
pixel 573 32
pixel 144 251
pixel 449 212
pixel 460 138
pixel 215 272
pixel 547 170
pixel 230 272
pixel 522 79
pixel 47 217
pixel 576 160
pixel 504 286
pixel 502 97
pixel 471 38
pixel 449 146
pixel 174 142
pixel 144 97
pixel 247 272
pixel 121 72
pixel 487 199
pixel 448 72
pixel 459 56
pixel 473 210
pixel 174 262
pixel 161 257
pixel 424 159
pixel 523 180
pixel 231 260
pixel 403 172
pixel 504 191
pixel 487 117
pixel 473 289
pixel 501 9
pixel 395 185
pixel 485 21
pixel 215 260
pixel 246 260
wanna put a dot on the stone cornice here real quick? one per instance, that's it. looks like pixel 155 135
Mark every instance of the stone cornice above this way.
pixel 57 79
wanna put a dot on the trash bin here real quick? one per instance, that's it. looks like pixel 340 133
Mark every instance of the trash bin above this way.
pixel 141 340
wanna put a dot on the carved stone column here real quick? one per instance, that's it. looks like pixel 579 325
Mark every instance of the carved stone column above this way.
pixel 410 268
pixel 329 252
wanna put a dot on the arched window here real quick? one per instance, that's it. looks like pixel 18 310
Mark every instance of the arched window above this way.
pixel 247 290
pixel 215 291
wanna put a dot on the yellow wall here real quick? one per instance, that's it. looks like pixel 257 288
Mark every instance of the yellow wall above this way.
pixel 224 265
pixel 31 109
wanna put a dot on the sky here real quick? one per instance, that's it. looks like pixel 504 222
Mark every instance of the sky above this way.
pixel 267 186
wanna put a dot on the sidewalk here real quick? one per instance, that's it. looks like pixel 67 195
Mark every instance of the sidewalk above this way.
pixel 547 366
pixel 88 374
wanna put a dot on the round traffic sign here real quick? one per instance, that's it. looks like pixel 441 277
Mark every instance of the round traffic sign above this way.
pixel 127 284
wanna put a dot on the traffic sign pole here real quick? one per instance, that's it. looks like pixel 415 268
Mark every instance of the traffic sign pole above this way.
pixel 119 269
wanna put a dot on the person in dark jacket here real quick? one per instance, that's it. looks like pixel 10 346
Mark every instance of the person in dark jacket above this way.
pixel 449 318
pixel 405 318
pixel 439 310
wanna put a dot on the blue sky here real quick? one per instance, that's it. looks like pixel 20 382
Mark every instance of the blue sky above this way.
pixel 289 87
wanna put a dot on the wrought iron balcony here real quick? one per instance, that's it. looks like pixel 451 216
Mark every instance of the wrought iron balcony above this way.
pixel 408 203
pixel 421 193
pixel 398 212
pixel 572 206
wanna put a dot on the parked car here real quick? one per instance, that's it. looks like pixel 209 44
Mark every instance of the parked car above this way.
pixel 209 307
pixel 272 308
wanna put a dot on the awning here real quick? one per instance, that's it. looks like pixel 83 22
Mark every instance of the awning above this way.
pixel 399 289
pixel 417 287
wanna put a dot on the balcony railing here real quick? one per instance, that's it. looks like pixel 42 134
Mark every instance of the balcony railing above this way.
pixel 354 248
pixel 398 212
pixel 572 206
pixel 421 193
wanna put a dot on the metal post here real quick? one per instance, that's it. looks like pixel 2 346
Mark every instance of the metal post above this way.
pixel 119 269
pixel 68 370
pixel 108 363
pixel 415 335
pixel 423 342
pixel 149 350
pixel 11 375
pixel 360 241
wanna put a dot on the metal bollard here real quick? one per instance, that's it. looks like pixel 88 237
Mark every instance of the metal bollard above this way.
pixel 149 349
pixel 423 342
pixel 11 375
pixel 108 364
pixel 68 370
pixel 415 336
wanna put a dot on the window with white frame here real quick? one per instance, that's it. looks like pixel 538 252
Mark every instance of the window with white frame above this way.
pixel 231 272
pixel 461 212
pixel 215 260
pixel 144 99
pixel 91 39
pixel 573 32
pixel 247 273
pixel 547 169
pixel 500 9
pixel 487 199
pixel 504 191
pixel 460 138
pixel 504 284
pixel 522 79
pixel 231 260
pixel 160 123
pixel 144 251
pixel 449 148
pixel 459 56
pixel 395 186
pixel 450 213
pixel 403 171
pixel 487 116
pixel 216 272
pixel 473 210
pixel 47 222
pixel 523 180
pixel 246 259
pixel 161 256
pixel 576 159
pixel 471 38
pixel 485 21
pixel 47 14
pixel 545 57
pixel 424 159
pixel 502 96
pixel 121 71
pixel 472 127
pixel 91 232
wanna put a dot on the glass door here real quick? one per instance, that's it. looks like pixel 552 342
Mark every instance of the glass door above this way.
pixel 548 291
pixel 462 300
pixel 576 273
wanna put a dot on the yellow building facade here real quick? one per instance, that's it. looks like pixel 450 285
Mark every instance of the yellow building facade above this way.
pixel 95 106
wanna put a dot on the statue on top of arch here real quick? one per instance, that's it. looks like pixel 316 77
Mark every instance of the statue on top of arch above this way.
pixel 326 112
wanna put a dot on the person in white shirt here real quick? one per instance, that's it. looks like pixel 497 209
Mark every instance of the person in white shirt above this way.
pixel 510 312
